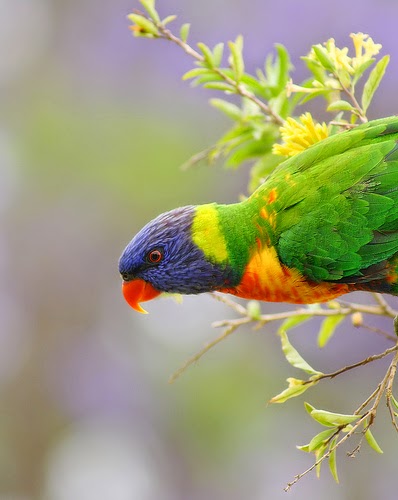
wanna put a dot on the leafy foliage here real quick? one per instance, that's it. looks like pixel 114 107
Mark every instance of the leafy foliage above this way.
pixel 269 97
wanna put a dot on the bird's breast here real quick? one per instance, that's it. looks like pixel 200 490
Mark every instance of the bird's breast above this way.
pixel 266 278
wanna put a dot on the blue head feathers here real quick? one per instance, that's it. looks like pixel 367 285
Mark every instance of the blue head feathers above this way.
pixel 164 255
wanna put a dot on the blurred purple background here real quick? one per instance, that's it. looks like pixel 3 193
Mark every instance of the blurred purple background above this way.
pixel 93 128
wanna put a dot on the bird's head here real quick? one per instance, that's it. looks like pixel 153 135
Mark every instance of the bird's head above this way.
pixel 163 257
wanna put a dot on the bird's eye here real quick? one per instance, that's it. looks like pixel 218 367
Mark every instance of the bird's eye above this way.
pixel 154 256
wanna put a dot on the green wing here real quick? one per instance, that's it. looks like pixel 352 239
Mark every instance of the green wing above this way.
pixel 336 205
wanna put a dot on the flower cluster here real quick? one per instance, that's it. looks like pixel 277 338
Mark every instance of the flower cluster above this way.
pixel 337 73
pixel 365 50
pixel 299 135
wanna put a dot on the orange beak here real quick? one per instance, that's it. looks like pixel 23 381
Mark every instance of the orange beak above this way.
pixel 137 291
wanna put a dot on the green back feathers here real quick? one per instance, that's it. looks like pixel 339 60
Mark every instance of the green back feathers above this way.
pixel 336 204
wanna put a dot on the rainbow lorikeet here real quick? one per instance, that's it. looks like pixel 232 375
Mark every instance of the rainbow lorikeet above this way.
pixel 323 224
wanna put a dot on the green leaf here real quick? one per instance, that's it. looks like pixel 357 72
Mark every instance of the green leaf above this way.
pixel 245 151
pixel 207 54
pixel 276 72
pixel 304 447
pixel 270 71
pixel 296 387
pixel 308 407
pixel 340 105
pixel 323 57
pixel 373 81
pixel 318 455
pixel 316 69
pixel 283 61
pixel 353 119
pixel 328 328
pixel 146 25
pixel 282 105
pixel 344 77
pixel 168 19
pixel 231 110
pixel 255 86
pixel 294 321
pixel 332 460
pixel 361 69
pixel 234 137
pixel 149 6
pixel 330 419
pixel 320 439
pixel 324 92
pixel 255 116
pixel 261 77
pixel 394 401
pixel 266 164
pixel 236 59
pixel 207 78
pixel 219 86
pixel 218 52
pixel 184 32
pixel 256 145
pixel 293 357
pixel 194 73
pixel 372 441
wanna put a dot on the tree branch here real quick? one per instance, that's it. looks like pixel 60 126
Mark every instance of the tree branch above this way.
pixel 239 88
pixel 367 419
pixel 364 362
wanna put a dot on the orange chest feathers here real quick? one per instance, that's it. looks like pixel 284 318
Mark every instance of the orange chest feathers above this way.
pixel 266 278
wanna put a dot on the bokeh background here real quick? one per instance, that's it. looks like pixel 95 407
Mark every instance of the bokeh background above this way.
pixel 94 126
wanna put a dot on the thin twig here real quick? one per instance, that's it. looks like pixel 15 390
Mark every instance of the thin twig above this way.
pixel 193 359
pixel 345 125
pixel 393 371
pixel 196 158
pixel 358 110
pixel 384 304
pixel 268 318
pixel 363 405
pixel 379 331
pixel 240 89
pixel 364 362
pixel 232 325
pixel 367 309
pixel 230 303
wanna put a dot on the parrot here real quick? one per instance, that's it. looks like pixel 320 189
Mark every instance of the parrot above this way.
pixel 324 223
